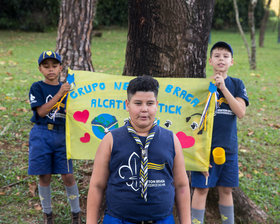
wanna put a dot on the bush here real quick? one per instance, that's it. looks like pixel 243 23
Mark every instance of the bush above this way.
pixel 111 12
pixel 224 15
pixel 31 15
pixel 35 15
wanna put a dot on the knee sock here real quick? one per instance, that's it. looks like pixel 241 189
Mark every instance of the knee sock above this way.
pixel 73 197
pixel 227 214
pixel 197 216
pixel 45 198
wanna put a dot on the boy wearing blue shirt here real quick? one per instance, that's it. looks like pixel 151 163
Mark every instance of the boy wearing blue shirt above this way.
pixel 232 99
pixel 140 166
pixel 47 149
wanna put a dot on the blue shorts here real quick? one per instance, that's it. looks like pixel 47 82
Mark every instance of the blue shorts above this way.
pixel 47 151
pixel 225 175
pixel 112 220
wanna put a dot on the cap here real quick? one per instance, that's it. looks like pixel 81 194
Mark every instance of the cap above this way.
pixel 222 44
pixel 49 54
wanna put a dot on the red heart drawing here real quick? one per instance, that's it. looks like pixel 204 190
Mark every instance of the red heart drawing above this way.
pixel 86 138
pixel 186 141
pixel 81 116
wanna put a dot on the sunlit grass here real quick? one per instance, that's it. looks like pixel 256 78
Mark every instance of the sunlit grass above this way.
pixel 258 131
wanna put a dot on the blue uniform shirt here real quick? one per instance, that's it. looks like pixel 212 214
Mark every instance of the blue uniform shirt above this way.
pixel 41 93
pixel 123 194
pixel 225 127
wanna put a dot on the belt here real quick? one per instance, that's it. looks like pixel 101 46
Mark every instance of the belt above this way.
pixel 51 127
pixel 145 222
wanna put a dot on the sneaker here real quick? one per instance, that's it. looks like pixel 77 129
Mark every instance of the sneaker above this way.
pixel 48 218
pixel 76 218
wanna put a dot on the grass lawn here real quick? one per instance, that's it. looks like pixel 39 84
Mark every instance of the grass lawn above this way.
pixel 258 132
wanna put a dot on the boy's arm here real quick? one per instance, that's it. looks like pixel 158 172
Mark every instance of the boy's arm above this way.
pixel 45 108
pixel 237 105
pixel 99 179
pixel 181 183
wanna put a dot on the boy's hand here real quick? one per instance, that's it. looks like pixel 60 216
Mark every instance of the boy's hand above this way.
pixel 206 173
pixel 64 88
pixel 219 81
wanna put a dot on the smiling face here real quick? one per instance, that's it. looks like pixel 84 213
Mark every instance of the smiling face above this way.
pixel 142 108
pixel 50 68
pixel 221 59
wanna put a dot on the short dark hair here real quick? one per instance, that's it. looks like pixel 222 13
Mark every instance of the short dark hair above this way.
pixel 222 44
pixel 144 83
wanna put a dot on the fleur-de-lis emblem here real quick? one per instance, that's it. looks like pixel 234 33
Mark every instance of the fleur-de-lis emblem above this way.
pixel 131 170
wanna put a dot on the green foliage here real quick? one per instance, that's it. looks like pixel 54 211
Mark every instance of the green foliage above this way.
pixel 111 12
pixel 29 14
pixel 258 131
pixel 40 16
pixel 224 15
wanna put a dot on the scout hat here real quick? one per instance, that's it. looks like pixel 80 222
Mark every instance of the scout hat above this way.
pixel 222 44
pixel 49 54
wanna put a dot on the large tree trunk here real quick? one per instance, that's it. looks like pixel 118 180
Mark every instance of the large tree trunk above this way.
pixel 263 23
pixel 74 34
pixel 251 20
pixel 168 38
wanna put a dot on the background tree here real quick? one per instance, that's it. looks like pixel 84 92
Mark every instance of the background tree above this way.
pixel 224 18
pixel 168 38
pixel 251 21
pixel 263 23
pixel 74 34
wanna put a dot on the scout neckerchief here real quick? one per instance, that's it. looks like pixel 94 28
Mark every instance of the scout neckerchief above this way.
pixel 144 156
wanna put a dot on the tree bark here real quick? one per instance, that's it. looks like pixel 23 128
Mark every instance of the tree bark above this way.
pixel 74 34
pixel 251 21
pixel 263 24
pixel 168 38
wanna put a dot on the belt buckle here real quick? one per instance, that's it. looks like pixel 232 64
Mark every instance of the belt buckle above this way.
pixel 50 127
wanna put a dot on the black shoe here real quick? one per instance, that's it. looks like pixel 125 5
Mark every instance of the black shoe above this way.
pixel 48 218
pixel 76 218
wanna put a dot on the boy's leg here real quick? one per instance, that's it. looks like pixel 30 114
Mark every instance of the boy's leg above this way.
pixel 72 192
pixel 44 189
pixel 226 205
pixel 198 205
pixel 228 180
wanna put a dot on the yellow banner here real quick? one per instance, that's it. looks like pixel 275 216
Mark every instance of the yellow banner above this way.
pixel 96 105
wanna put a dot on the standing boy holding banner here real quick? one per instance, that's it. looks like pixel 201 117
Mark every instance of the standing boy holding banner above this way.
pixel 232 99
pixel 47 149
